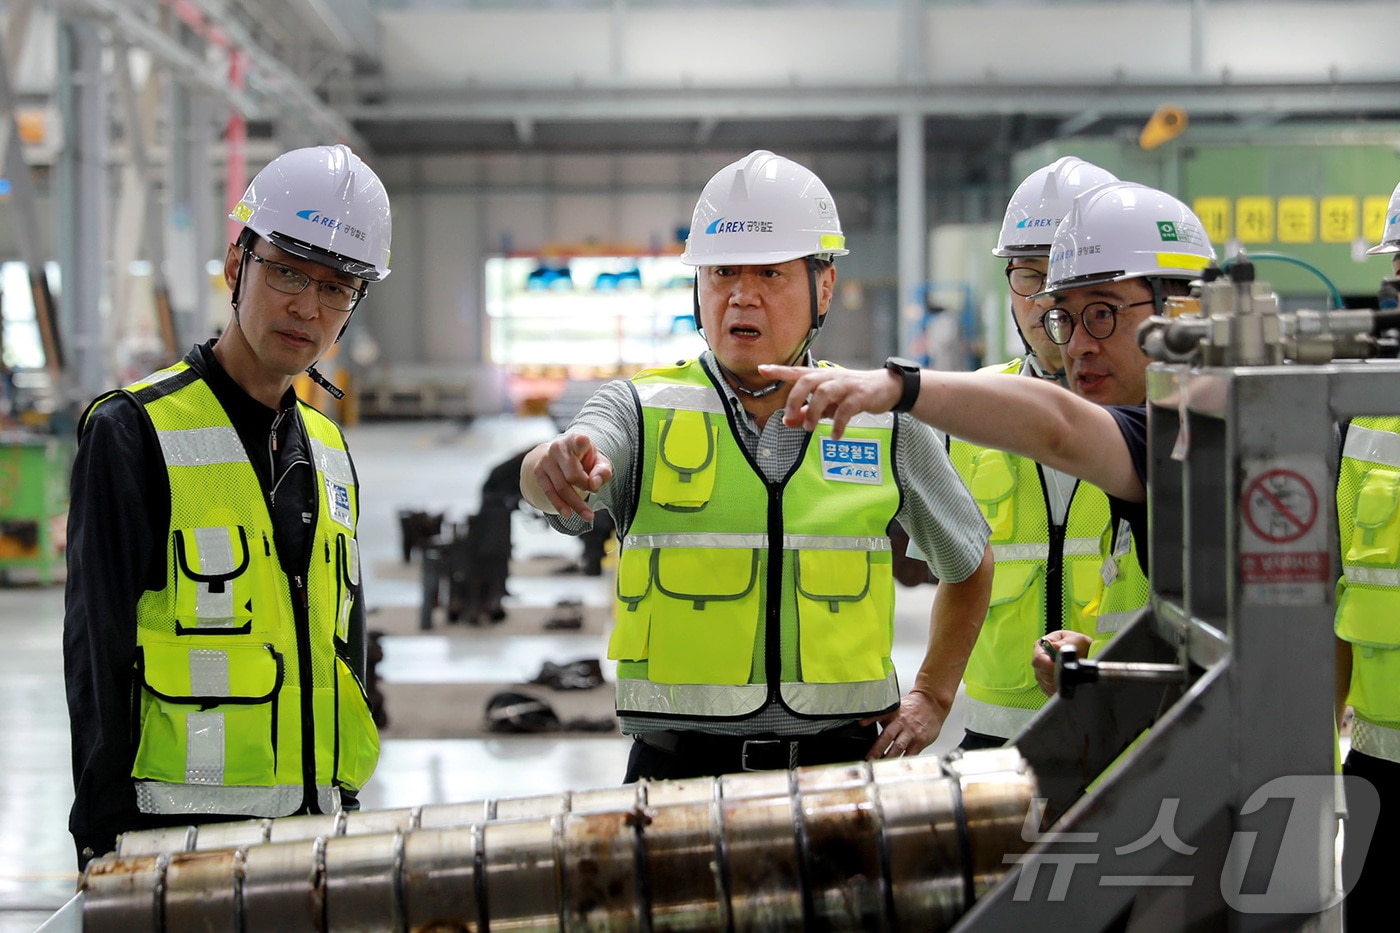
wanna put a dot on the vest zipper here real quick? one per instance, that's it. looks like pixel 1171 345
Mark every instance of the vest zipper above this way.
pixel 300 604
pixel 1055 559
pixel 773 612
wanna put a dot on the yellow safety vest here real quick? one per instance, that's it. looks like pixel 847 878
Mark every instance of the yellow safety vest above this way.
pixel 1368 595
pixel 733 593
pixel 246 707
pixel 1046 577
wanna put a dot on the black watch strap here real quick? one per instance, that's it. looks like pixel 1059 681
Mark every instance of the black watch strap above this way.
pixel 908 370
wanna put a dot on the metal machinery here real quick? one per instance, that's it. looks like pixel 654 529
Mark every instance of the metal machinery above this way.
pixel 898 844
pixel 1185 777
pixel 1222 814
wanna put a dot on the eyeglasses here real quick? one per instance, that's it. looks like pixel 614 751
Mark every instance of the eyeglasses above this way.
pixel 1099 319
pixel 283 278
pixel 1024 280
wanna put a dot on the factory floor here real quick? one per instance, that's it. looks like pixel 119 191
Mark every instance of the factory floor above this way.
pixel 435 466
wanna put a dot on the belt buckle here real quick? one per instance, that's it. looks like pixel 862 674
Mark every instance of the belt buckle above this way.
pixel 765 746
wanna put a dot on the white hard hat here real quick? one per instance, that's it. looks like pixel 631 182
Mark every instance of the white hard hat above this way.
pixel 1124 230
pixel 323 204
pixel 761 210
pixel 1041 201
pixel 1390 233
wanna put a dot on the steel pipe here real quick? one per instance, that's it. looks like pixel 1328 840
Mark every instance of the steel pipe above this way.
pixel 891 845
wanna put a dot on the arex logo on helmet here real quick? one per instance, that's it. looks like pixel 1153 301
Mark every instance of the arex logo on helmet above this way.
pixel 720 225
pixel 1032 222
pixel 316 217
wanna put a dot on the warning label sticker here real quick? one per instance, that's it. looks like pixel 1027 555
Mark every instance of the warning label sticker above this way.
pixel 1284 554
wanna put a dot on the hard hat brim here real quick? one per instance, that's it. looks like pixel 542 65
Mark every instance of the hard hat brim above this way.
pixel 1032 251
pixel 322 257
pixel 1383 248
pixel 757 259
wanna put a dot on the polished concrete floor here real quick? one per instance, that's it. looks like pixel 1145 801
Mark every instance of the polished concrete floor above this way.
pixel 432 465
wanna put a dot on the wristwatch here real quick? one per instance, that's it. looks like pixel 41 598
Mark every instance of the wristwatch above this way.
pixel 907 370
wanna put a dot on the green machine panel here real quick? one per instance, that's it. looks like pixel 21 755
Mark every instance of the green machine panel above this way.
pixel 34 473
pixel 1290 198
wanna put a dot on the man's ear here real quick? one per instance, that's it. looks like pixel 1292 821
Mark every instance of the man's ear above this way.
pixel 826 287
pixel 232 259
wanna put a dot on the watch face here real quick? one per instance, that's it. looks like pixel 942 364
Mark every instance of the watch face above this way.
pixel 900 363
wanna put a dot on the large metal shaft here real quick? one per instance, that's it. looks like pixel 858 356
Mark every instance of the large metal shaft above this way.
pixel 905 844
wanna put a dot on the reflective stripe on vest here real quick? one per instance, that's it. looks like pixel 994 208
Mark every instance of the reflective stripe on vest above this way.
pixel 995 719
pixel 193 801
pixel 223 703
pixel 1373 739
pixel 693 629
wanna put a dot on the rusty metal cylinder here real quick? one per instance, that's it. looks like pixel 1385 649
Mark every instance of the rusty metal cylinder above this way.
pixel 901 844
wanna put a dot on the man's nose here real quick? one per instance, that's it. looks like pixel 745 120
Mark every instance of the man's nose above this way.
pixel 1081 342
pixel 306 304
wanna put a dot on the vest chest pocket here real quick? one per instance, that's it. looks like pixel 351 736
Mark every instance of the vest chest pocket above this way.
pixel 705 612
pixel 208 715
pixel 215 574
pixel 993 485
pixel 844 616
pixel 1375 536
pixel 686 445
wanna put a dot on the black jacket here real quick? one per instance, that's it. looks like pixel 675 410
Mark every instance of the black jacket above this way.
pixel 118 521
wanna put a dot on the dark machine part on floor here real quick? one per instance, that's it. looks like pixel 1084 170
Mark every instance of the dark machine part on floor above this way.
pixel 902 844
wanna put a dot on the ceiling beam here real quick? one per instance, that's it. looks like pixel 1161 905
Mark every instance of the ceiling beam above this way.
pixel 1061 101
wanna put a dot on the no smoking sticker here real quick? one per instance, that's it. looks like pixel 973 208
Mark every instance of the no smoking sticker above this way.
pixel 1283 551
pixel 1280 506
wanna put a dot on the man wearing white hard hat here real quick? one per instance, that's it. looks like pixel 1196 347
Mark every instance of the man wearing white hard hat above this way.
pixel 1118 254
pixel 214 639
pixel 1368 626
pixel 755 594
pixel 1046 525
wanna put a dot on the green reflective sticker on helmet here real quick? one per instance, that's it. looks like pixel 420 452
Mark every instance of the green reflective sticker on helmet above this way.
pixel 832 241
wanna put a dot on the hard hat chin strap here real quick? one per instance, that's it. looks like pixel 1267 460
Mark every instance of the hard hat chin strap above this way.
pixel 325 383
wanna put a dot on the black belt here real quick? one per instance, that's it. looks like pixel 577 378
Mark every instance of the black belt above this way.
pixel 731 753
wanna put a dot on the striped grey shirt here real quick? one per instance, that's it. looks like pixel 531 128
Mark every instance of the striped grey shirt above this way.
pixel 938 513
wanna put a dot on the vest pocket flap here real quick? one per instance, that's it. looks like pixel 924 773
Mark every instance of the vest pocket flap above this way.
pixel 1376 537
pixel 211 676
pixel 684 477
pixel 833 576
pixel 1012 581
pixel 212 555
pixel 705 574
pixel 633 576
pixel 993 478
pixel 1366 616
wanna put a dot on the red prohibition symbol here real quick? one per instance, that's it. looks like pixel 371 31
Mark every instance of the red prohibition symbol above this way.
pixel 1280 506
